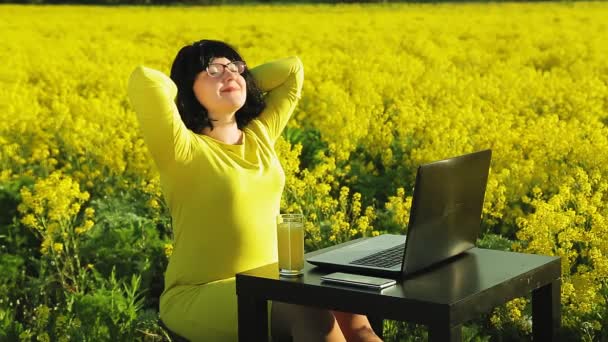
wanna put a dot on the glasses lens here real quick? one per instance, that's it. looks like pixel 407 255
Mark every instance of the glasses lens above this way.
pixel 237 66
pixel 240 66
pixel 214 70
pixel 231 67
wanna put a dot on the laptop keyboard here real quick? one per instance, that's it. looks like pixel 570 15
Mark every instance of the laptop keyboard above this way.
pixel 384 259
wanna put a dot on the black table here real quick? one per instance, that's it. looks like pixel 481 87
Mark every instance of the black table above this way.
pixel 442 298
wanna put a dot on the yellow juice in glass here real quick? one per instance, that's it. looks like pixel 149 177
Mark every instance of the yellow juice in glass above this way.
pixel 290 238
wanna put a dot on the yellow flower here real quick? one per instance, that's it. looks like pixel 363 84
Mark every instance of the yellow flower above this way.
pixel 58 247
pixel 496 321
pixel 46 244
pixel 30 220
pixel 168 249
pixel 153 203
pixel 87 225
pixel 89 212
pixel 399 206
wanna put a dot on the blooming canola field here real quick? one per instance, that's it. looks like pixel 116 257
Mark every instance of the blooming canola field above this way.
pixel 387 87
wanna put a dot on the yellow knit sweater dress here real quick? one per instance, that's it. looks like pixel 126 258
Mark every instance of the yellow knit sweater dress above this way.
pixel 223 198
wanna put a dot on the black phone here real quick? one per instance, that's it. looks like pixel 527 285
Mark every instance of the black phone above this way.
pixel 358 280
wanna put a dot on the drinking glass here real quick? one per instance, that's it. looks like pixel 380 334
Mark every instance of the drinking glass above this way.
pixel 290 238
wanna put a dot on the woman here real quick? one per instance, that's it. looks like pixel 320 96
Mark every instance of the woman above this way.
pixel 211 133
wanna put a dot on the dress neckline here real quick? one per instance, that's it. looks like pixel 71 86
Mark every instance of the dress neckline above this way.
pixel 226 145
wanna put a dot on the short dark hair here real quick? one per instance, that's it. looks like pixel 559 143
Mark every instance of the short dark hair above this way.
pixel 192 59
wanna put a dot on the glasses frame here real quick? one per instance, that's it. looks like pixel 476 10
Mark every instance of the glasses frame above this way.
pixel 226 66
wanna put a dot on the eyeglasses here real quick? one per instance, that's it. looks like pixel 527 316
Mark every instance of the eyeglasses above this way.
pixel 217 69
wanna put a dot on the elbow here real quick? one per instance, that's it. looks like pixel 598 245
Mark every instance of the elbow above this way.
pixel 151 83
pixel 137 74
pixel 135 80
pixel 298 72
pixel 298 67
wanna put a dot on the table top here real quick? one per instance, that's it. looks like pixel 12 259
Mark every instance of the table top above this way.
pixel 468 283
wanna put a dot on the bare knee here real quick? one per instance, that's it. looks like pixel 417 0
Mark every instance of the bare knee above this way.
pixel 303 323
pixel 355 327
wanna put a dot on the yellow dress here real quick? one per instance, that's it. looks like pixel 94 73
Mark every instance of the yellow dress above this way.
pixel 223 198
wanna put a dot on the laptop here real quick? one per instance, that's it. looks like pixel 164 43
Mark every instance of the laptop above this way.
pixel 445 221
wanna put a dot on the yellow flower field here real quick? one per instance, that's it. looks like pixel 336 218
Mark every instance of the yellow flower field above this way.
pixel 387 87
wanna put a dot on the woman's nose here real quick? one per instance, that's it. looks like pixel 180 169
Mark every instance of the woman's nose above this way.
pixel 229 75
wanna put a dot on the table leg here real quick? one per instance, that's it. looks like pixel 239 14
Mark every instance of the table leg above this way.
pixel 445 333
pixel 253 319
pixel 546 311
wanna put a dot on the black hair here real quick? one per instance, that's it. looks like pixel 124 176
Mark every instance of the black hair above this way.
pixel 191 60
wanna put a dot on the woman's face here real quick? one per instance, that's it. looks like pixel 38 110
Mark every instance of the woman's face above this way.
pixel 224 94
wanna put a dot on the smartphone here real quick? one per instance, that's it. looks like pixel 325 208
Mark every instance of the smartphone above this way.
pixel 368 282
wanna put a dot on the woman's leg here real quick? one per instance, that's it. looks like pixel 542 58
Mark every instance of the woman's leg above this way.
pixel 356 328
pixel 303 324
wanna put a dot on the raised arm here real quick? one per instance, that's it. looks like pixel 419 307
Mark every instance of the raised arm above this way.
pixel 283 80
pixel 152 96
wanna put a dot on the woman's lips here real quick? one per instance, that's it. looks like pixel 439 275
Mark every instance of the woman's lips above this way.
pixel 228 89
